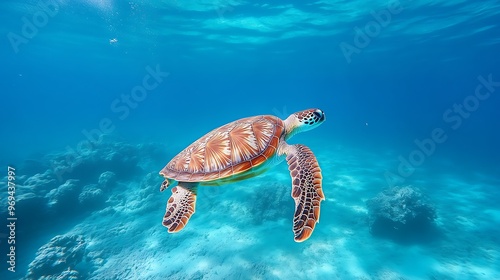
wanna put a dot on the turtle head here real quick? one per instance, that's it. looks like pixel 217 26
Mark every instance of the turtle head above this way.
pixel 303 121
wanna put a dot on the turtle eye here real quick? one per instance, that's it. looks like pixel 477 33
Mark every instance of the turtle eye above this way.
pixel 319 115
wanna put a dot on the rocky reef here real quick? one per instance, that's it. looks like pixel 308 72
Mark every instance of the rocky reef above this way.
pixel 400 211
pixel 59 259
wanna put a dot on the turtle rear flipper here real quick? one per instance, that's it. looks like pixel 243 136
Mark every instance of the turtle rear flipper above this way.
pixel 180 206
pixel 306 189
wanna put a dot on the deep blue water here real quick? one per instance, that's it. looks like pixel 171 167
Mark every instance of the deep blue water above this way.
pixel 68 68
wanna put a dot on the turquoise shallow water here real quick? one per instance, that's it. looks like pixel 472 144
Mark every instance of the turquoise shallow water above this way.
pixel 243 230
pixel 97 96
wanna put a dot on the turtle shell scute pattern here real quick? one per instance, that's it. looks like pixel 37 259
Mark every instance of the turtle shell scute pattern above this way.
pixel 228 150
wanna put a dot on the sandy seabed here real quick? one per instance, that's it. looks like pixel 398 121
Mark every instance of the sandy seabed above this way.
pixel 101 219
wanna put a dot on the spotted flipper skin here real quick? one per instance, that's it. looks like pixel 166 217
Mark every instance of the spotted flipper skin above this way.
pixel 306 190
pixel 180 206
pixel 164 185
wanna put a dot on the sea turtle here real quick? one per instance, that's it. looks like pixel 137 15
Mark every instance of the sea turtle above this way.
pixel 243 149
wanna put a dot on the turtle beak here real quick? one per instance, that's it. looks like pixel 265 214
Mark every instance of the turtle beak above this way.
pixel 320 115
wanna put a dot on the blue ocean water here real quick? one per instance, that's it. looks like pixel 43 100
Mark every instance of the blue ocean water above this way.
pixel 98 95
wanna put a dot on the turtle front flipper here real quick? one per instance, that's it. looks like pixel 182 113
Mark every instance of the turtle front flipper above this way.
pixel 306 189
pixel 180 206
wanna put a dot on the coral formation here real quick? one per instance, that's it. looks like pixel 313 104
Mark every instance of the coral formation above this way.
pixel 107 179
pixel 41 181
pixel 65 195
pixel 400 209
pixel 88 164
pixel 91 197
pixel 58 258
